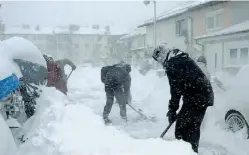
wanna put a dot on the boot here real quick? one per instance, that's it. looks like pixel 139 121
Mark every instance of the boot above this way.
pixel 107 121
pixel 124 119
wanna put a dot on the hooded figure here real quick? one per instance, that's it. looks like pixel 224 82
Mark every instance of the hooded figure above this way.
pixel 56 74
pixel 117 82
pixel 202 63
pixel 186 80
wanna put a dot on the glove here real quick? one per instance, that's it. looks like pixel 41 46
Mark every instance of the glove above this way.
pixel 171 116
pixel 73 67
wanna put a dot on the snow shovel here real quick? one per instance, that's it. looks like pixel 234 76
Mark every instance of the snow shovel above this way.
pixel 166 130
pixel 141 114
pixel 69 74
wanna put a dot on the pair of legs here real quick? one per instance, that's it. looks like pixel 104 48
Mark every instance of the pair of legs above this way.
pixel 121 97
pixel 188 125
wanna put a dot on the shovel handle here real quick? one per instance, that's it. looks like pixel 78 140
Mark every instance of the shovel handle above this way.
pixel 166 130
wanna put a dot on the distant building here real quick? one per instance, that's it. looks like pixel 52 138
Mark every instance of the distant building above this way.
pixel 80 43
pixel 132 46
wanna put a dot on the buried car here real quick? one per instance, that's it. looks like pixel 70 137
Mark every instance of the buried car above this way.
pixel 22 58
pixel 237 102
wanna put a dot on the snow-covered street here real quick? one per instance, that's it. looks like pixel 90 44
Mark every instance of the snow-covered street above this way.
pixel 73 125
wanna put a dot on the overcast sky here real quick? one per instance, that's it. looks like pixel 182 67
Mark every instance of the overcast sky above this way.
pixel 124 15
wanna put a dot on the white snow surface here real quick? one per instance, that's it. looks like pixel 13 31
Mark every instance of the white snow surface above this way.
pixel 61 127
pixel 78 129
pixel 7 143
pixel 17 48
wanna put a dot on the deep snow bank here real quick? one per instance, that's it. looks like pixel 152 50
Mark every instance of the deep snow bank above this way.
pixel 75 129
pixel 7 143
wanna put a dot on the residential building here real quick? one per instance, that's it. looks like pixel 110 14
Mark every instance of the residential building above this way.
pixel 80 43
pixel 180 26
pixel 227 49
pixel 133 46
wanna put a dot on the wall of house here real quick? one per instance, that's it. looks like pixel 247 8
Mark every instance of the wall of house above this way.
pixel 219 57
pixel 213 54
pixel 166 33
pixel 235 45
pixel 240 11
pixel 166 30
pixel 199 18
pixel 138 42
pixel 90 47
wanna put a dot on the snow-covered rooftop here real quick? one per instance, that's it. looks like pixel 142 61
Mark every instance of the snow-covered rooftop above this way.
pixel 84 30
pixel 238 28
pixel 135 32
pixel 30 30
pixel 184 7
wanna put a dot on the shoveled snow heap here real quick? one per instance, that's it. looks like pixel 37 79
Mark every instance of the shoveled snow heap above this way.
pixel 63 128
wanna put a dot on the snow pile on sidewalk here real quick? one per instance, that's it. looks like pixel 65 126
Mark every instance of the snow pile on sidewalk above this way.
pixel 7 143
pixel 75 129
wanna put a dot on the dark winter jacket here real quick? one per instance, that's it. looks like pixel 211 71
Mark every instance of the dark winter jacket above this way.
pixel 113 77
pixel 187 79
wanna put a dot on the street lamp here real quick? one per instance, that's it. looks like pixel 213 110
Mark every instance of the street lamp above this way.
pixel 147 2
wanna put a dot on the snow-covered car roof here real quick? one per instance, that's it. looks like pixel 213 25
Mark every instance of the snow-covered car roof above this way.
pixel 18 48
pixel 242 77
pixel 237 95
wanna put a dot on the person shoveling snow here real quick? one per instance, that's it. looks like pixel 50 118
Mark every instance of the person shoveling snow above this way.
pixel 117 82
pixel 56 73
pixel 186 79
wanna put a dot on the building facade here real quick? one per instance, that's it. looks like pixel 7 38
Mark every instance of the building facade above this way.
pixel 182 25
pixel 80 43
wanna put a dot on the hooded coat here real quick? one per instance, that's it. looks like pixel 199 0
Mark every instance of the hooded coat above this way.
pixel 187 79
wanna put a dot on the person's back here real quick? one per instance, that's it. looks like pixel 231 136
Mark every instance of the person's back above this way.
pixel 116 76
pixel 53 72
pixel 192 81
pixel 202 63
pixel 117 83
pixel 62 63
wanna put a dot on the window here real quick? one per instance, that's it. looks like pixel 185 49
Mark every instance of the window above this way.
pixel 215 60
pixel 99 38
pixel 62 38
pixel 214 20
pixel 61 46
pixel 76 45
pixel 239 56
pixel 244 55
pixel 51 46
pixel 233 56
pixel 181 27
pixel 34 37
pixel 40 37
pixel 86 45
pixel 50 38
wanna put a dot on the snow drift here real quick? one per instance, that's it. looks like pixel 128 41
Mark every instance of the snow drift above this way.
pixel 60 127
pixel 7 143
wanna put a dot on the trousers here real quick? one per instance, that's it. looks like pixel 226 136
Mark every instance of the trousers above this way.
pixel 188 125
